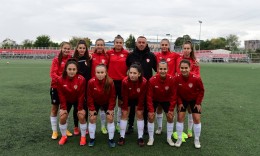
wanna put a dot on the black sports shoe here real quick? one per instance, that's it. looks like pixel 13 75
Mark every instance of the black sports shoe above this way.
pixel 140 142
pixel 111 143
pixel 121 141
pixel 130 130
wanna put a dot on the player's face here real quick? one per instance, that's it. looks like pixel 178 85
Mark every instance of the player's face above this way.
pixel 100 46
pixel 101 73
pixel 141 43
pixel 71 70
pixel 81 49
pixel 134 74
pixel 187 50
pixel 164 46
pixel 65 49
pixel 162 69
pixel 185 69
pixel 118 44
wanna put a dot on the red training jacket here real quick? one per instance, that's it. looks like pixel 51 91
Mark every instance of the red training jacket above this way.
pixel 133 91
pixel 98 58
pixel 117 68
pixel 56 70
pixel 96 94
pixel 71 91
pixel 171 58
pixel 195 68
pixel 189 88
pixel 161 91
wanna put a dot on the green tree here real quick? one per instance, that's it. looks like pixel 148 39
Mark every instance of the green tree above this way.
pixel 42 41
pixel 232 42
pixel 217 43
pixel 74 40
pixel 54 44
pixel 9 43
pixel 180 40
pixel 130 42
pixel 27 43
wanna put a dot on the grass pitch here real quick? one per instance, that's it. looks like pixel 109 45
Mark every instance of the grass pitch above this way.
pixel 230 118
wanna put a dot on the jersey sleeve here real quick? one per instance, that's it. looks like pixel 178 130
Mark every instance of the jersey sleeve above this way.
pixel 54 70
pixel 90 100
pixel 149 96
pixel 81 99
pixel 201 92
pixel 124 92
pixel 112 97
pixel 63 103
pixel 140 105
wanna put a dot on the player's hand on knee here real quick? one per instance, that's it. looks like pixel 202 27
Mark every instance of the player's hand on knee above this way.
pixel 63 112
pixel 198 107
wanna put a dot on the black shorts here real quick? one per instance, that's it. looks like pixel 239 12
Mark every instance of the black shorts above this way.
pixel 118 85
pixel 165 106
pixel 54 96
pixel 186 104
pixel 132 103
pixel 97 107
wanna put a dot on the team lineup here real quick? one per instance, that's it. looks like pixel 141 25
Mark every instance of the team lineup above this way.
pixel 94 83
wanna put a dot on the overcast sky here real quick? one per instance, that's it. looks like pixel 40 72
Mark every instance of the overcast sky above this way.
pixel 62 19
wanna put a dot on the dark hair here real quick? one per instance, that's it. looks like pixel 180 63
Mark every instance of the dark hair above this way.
pixel 184 61
pixel 137 66
pixel 86 54
pixel 192 54
pixel 141 37
pixel 165 39
pixel 70 61
pixel 108 80
pixel 118 37
pixel 60 54
pixel 163 61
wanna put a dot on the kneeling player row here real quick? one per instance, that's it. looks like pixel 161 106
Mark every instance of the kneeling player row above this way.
pixel 185 89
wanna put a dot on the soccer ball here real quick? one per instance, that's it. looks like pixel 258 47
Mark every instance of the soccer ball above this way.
pixel 7 62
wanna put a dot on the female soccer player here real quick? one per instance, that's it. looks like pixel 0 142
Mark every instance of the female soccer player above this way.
pixel 161 91
pixel 190 92
pixel 171 59
pixel 81 54
pixel 57 66
pixel 101 94
pixel 71 90
pixel 188 54
pixel 117 71
pixel 133 93
pixel 100 57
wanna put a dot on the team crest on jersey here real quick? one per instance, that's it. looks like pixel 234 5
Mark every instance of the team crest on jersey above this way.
pixel 168 59
pixel 138 90
pixel 180 84
pixel 95 88
pixel 75 87
pixel 103 61
pixel 156 87
pixel 166 87
pixel 190 85
pixel 94 58
pixel 147 60
pixel 160 58
pixel 129 88
pixel 64 85
pixel 122 55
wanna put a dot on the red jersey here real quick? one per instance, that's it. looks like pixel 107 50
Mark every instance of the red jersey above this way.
pixel 117 68
pixel 171 58
pixel 194 67
pixel 97 95
pixel 98 58
pixel 71 91
pixel 133 91
pixel 57 69
pixel 189 88
pixel 161 91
